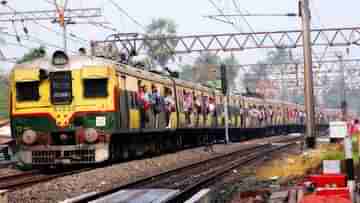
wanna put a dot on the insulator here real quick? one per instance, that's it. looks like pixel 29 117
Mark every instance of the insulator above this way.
pixel 26 31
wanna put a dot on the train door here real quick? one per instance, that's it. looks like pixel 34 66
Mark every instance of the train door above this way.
pixel 188 108
pixel 131 84
pixel 124 103
pixel 180 101
pixel 220 111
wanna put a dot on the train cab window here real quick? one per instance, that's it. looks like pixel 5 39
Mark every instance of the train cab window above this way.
pixel 27 91
pixel 95 87
pixel 61 87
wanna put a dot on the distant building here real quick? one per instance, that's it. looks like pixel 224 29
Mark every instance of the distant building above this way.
pixel 205 72
pixel 267 88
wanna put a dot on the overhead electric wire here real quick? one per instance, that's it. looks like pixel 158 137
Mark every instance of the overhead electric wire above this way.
pixel 31 39
pixel 89 22
pixel 237 27
pixel 73 38
pixel 127 15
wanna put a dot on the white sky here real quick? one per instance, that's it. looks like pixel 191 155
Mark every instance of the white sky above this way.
pixel 188 16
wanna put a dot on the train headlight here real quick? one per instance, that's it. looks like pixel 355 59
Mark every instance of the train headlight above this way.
pixel 64 137
pixel 29 137
pixel 91 135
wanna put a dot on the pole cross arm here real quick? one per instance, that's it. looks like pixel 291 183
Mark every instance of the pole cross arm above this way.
pixel 233 41
pixel 49 15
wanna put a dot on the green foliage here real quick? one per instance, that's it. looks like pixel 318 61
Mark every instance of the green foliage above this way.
pixel 161 51
pixel 33 54
pixel 216 84
pixel 204 59
pixel 232 70
pixel 259 72
pixel 186 72
pixel 208 58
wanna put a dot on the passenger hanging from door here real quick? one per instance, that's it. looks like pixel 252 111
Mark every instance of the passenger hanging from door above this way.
pixel 157 104
pixel 212 111
pixel 197 100
pixel 204 110
pixel 144 105
pixel 169 106
pixel 188 106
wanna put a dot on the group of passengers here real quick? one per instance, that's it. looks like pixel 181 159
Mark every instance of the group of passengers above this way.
pixel 197 105
pixel 153 102
pixel 254 116
pixel 194 106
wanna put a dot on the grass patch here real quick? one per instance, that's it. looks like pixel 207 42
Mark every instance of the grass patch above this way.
pixel 299 165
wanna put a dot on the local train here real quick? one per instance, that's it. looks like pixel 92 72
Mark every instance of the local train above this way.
pixel 78 109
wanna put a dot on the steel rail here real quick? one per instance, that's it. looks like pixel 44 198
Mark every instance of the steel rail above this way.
pixel 164 175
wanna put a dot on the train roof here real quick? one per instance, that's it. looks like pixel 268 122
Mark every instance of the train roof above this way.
pixel 80 61
pixel 75 62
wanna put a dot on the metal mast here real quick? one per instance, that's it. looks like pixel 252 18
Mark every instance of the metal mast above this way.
pixel 308 75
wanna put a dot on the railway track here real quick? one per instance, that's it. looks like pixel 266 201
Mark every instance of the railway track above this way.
pixel 192 178
pixel 29 178
pixel 26 179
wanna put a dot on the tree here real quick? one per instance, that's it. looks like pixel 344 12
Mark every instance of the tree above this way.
pixel 206 67
pixel 232 70
pixel 259 72
pixel 33 54
pixel 157 50
pixel 186 72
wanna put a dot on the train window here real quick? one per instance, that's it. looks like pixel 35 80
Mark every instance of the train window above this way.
pixel 61 87
pixel 95 87
pixel 27 91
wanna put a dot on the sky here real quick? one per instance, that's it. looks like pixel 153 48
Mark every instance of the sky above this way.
pixel 188 15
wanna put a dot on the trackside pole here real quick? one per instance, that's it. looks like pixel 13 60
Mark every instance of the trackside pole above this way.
pixel 308 74
pixel 349 166
pixel 224 87
pixel 226 110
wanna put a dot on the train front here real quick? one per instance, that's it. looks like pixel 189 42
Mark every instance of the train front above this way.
pixel 63 110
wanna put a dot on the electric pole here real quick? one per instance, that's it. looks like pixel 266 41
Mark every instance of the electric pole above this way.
pixel 343 89
pixel 308 75
pixel 225 90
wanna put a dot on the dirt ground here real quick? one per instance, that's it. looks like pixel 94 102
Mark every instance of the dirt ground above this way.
pixel 271 174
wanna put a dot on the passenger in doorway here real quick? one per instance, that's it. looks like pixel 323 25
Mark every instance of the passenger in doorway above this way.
pixel 197 109
pixel 253 116
pixel 156 103
pixel 271 115
pixel 242 116
pixel 188 107
pixel 169 106
pixel 212 106
pixel 205 109
pixel 144 105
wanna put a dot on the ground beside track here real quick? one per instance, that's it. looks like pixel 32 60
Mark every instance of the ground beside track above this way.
pixel 256 182
pixel 119 174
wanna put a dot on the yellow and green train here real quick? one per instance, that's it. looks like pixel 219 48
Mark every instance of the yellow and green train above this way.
pixel 83 110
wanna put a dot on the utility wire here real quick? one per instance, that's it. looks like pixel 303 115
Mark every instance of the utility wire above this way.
pixel 237 27
pixel 78 39
pixel 127 15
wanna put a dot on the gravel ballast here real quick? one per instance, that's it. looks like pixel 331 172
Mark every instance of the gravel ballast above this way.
pixel 105 178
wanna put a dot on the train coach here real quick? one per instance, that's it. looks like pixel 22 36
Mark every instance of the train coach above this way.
pixel 83 110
